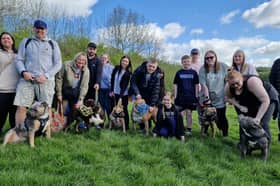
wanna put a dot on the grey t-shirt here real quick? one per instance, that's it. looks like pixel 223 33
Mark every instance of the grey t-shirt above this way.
pixel 215 83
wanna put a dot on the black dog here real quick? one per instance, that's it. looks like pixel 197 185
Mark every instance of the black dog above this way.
pixel 253 137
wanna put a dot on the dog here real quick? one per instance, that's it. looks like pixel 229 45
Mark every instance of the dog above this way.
pixel 253 137
pixel 91 114
pixel 36 123
pixel 117 116
pixel 141 113
pixel 208 118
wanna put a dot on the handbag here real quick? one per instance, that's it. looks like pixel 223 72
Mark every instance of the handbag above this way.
pixel 57 123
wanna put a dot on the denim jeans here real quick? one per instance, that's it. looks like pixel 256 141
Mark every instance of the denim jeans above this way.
pixel 105 100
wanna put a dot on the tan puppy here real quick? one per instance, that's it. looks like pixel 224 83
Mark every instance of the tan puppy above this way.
pixel 36 123
pixel 117 116
pixel 209 116
pixel 141 112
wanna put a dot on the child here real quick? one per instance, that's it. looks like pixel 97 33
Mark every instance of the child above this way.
pixel 169 120
pixel 186 87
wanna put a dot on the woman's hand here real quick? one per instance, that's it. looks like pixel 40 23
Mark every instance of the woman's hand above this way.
pixel 78 104
pixel 111 94
pixel 243 109
pixel 257 120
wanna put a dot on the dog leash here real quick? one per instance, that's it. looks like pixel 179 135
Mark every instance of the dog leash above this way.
pixel 96 96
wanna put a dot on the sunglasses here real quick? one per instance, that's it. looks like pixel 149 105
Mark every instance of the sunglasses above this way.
pixel 210 57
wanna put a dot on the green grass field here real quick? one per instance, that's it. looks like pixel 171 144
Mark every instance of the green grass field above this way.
pixel 113 158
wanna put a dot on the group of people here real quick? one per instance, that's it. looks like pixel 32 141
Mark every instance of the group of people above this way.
pixel 36 72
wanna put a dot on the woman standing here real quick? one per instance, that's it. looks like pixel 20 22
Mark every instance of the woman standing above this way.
pixel 119 84
pixel 72 84
pixel 8 79
pixel 212 77
pixel 105 84
pixel 239 64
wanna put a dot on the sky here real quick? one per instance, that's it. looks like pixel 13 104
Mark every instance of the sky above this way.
pixel 220 25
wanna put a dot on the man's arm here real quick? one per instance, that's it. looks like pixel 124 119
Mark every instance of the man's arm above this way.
pixel 56 60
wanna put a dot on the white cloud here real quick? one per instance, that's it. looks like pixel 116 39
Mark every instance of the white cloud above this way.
pixel 258 51
pixel 74 7
pixel 266 14
pixel 197 31
pixel 227 19
pixel 172 30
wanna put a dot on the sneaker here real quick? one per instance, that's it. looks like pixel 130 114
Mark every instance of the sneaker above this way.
pixel 98 127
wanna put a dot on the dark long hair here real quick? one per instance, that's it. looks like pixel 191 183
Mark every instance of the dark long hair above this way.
pixel 13 39
pixel 217 64
pixel 129 67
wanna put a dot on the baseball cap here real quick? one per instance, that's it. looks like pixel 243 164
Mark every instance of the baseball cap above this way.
pixel 92 45
pixel 194 51
pixel 40 24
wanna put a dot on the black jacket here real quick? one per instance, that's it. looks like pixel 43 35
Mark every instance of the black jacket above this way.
pixel 274 76
pixel 150 90
pixel 161 120
pixel 124 80
pixel 95 70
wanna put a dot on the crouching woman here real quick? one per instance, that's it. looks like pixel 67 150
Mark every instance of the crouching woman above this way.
pixel 72 84
pixel 252 97
pixel 169 120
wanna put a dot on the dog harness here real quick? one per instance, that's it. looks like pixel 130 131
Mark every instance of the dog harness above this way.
pixel 85 111
pixel 142 108
pixel 139 111
pixel 118 115
pixel 27 126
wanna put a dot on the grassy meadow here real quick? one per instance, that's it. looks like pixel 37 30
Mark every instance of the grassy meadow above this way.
pixel 113 158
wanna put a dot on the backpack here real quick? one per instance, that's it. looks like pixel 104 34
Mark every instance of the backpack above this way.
pixel 29 39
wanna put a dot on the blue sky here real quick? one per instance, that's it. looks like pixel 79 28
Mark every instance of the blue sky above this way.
pixel 221 25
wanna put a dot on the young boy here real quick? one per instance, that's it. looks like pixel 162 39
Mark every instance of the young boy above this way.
pixel 169 120
pixel 186 87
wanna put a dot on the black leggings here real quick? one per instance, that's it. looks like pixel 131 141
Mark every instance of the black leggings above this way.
pixel 7 107
pixel 222 122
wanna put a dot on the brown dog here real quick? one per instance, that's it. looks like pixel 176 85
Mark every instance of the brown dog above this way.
pixel 141 113
pixel 36 123
pixel 117 116
pixel 208 118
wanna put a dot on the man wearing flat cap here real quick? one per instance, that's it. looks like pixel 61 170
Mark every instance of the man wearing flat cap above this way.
pixel 95 69
pixel 38 60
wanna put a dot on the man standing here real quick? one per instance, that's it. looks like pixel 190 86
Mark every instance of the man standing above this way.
pixel 95 70
pixel 195 60
pixel 274 79
pixel 38 60
pixel 145 83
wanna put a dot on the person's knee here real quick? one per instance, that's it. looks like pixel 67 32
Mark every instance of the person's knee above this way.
pixel 21 110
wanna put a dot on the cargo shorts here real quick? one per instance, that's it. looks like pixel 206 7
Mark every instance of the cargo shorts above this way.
pixel 28 91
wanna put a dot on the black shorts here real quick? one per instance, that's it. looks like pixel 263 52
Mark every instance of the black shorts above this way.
pixel 184 107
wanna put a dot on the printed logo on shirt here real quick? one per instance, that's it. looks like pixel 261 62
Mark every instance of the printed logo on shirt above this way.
pixel 186 76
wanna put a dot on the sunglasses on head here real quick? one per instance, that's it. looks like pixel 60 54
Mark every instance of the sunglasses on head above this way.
pixel 210 57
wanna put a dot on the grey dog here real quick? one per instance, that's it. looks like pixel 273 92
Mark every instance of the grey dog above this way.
pixel 252 137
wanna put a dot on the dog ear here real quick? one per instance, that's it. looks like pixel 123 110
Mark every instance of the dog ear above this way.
pixel 45 104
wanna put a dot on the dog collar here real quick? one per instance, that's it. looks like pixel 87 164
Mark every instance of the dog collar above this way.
pixel 119 115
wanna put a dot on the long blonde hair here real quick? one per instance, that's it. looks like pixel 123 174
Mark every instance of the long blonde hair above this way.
pixel 243 64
